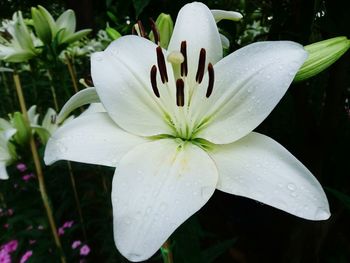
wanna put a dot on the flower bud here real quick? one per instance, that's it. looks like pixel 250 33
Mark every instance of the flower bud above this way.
pixel 165 27
pixel 44 23
pixel 112 33
pixel 23 133
pixel 321 55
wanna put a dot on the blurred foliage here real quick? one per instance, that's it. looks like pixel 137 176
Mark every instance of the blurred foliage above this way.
pixel 312 121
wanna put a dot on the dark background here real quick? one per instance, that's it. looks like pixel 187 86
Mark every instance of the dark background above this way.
pixel 312 121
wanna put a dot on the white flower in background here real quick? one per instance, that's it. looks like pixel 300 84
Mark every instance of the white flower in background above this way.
pixel 6 155
pixel 60 31
pixel 178 125
pixel 17 42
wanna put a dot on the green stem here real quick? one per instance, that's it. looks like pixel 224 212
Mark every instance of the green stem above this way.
pixel 72 73
pixel 38 170
pixel 76 197
pixel 53 91
pixel 167 253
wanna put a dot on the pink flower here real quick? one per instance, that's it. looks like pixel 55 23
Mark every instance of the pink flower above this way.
pixel 10 212
pixel 4 256
pixel 76 244
pixel 26 255
pixel 10 246
pixel 21 167
pixel 27 177
pixel 6 225
pixel 61 231
pixel 31 242
pixel 84 250
pixel 68 224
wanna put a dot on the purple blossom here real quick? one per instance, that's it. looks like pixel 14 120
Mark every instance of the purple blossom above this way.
pixel 21 167
pixel 26 256
pixel 85 250
pixel 68 224
pixel 4 256
pixel 60 231
pixel 10 246
pixel 76 244
pixel 27 177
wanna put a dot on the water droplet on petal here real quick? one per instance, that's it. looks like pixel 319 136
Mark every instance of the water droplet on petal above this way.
pixel 294 194
pixel 291 187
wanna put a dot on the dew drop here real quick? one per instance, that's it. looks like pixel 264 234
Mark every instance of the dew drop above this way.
pixel 294 194
pixel 291 187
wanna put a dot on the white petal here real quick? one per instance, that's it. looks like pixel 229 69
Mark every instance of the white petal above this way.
pixel 258 167
pixel 226 15
pixel 3 172
pixel 156 187
pixel 92 138
pixel 85 96
pixel 248 85
pixel 121 75
pixel 195 24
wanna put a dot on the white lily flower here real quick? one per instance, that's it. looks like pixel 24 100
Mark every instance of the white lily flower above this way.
pixel 20 43
pixel 6 132
pixel 178 130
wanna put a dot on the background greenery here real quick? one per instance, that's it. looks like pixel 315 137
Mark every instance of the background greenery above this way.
pixel 312 121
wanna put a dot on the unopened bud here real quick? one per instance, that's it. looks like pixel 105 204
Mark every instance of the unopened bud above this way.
pixel 165 26
pixel 23 133
pixel 321 55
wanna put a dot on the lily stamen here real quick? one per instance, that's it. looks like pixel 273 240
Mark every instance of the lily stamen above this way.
pixel 211 80
pixel 161 65
pixel 180 95
pixel 184 67
pixel 155 31
pixel 201 66
pixel 153 76
pixel 141 29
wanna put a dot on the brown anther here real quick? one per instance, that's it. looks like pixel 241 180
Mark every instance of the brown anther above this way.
pixel 184 67
pixel 155 31
pixel 180 95
pixel 142 29
pixel 88 80
pixel 153 76
pixel 53 118
pixel 161 65
pixel 133 30
pixel 201 66
pixel 211 80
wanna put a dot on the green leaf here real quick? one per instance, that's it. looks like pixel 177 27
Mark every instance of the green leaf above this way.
pixel 112 17
pixel 139 5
